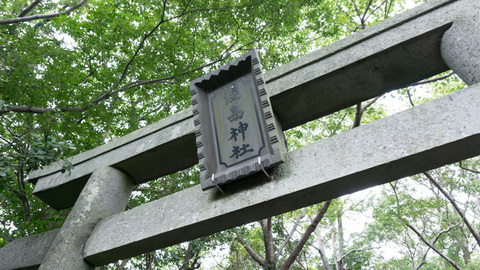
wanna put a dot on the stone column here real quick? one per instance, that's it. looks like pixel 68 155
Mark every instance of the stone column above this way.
pixel 106 193
pixel 461 47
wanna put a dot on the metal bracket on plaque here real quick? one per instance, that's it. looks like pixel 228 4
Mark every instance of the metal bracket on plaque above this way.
pixel 235 128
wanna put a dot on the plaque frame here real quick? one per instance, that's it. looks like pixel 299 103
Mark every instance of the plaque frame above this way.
pixel 214 170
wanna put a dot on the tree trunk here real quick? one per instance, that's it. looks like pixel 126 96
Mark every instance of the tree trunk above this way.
pixel 188 256
pixel 466 253
pixel 23 192
pixel 190 260
pixel 321 250
pixel 122 264
pixel 340 252
pixel 149 257
pixel 268 241
pixel 310 229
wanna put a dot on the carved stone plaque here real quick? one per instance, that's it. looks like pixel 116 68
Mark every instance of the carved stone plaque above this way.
pixel 235 128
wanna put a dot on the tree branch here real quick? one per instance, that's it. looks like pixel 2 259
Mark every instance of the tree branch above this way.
pixel 353 21
pixel 371 13
pixel 18 193
pixel 42 16
pixel 467 169
pixel 29 8
pixel 38 110
pixel 23 197
pixel 152 111
pixel 122 264
pixel 149 189
pixel 431 245
pixel 355 250
pixel 388 8
pixel 370 103
pixel 362 18
pixel 455 206
pixel 410 98
pixel 360 110
pixel 107 94
pixel 163 20
pixel 184 12
pixel 140 46
pixel 169 79
pixel 292 231
pixel 189 255
pixel 358 115
pixel 250 251
pixel 310 229
pixel 300 262
pixel 432 79
pixel 356 8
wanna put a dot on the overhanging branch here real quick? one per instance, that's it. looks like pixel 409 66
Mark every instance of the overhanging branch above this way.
pixel 173 79
pixel 38 110
pixel 29 8
pixel 42 16
pixel 433 79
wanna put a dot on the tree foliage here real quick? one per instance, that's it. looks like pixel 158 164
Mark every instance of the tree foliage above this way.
pixel 76 74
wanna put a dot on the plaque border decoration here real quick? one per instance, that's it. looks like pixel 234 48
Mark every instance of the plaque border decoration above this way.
pixel 212 172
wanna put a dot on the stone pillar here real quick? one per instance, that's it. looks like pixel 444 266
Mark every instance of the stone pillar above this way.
pixel 106 193
pixel 460 47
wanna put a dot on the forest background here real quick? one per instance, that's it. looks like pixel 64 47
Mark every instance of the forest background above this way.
pixel 77 74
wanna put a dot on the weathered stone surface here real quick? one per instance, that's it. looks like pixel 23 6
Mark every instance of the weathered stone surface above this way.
pixel 145 132
pixel 389 55
pixel 439 132
pixel 27 252
pixel 106 193
pixel 158 149
pixel 460 45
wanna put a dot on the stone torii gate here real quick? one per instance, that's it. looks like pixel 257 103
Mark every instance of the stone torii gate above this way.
pixel 432 38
